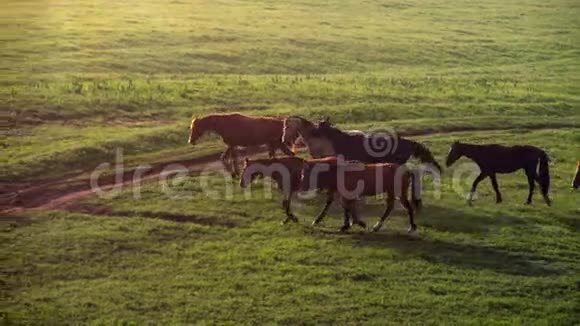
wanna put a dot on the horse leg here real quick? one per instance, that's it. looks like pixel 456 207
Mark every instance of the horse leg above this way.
pixel 544 192
pixel 289 216
pixel 355 218
pixel 346 224
pixel 495 188
pixel 285 149
pixel 329 200
pixel 405 202
pixel 271 150
pixel 234 155
pixel 531 174
pixel 224 158
pixel 386 213
pixel 477 180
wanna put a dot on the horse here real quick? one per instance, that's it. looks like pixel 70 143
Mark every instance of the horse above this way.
pixel 367 148
pixel 352 180
pixel 494 158
pixel 576 181
pixel 287 173
pixel 237 129
pixel 299 128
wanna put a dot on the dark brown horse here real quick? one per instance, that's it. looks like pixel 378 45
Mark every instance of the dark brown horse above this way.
pixel 238 130
pixel 297 127
pixel 576 181
pixel 286 173
pixel 353 180
pixel 493 159
pixel 374 148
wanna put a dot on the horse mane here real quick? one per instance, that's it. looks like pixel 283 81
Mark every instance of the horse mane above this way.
pixel 328 126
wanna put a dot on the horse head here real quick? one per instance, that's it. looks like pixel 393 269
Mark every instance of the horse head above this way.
pixel 454 153
pixel 194 131
pixel 294 127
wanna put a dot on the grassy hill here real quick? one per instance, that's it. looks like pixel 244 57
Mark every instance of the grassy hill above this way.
pixel 80 79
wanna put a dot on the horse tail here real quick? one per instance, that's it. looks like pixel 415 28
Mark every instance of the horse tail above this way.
pixel 544 175
pixel 423 154
pixel 416 189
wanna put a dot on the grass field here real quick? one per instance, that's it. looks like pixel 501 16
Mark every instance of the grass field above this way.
pixel 81 79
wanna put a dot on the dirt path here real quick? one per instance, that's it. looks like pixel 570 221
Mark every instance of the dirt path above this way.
pixel 16 198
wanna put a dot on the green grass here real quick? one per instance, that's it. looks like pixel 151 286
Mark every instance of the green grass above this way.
pixel 82 79
pixel 200 259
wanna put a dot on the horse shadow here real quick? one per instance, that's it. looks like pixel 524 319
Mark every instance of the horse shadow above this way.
pixel 106 211
pixel 459 255
pixel 444 219
pixel 454 253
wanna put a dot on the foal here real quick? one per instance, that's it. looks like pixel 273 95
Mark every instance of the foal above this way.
pixel 494 158
pixel 240 130
pixel 354 180
pixel 286 172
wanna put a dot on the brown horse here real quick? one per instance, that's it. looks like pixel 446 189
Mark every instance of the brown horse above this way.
pixel 576 181
pixel 238 130
pixel 354 180
pixel 286 172
pixel 493 159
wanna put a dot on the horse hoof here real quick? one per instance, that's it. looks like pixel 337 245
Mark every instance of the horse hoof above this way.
pixel 376 228
pixel 412 229
pixel 499 201
pixel 344 228
pixel 315 222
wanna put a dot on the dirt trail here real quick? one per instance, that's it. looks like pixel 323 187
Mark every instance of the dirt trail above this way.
pixel 15 198
pixel 52 194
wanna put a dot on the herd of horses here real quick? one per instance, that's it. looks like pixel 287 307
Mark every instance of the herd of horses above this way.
pixel 344 164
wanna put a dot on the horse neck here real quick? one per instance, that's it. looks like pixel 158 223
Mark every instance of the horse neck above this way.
pixel 304 127
pixel 210 123
pixel 339 138
pixel 471 151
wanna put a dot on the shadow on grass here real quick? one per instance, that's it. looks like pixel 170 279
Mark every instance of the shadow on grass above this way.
pixel 440 218
pixel 446 219
pixel 461 255
pixel 102 210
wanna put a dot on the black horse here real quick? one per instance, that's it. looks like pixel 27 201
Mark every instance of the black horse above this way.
pixel 374 148
pixel 493 159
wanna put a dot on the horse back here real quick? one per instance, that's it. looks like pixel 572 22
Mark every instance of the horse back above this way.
pixel 367 179
pixel 241 130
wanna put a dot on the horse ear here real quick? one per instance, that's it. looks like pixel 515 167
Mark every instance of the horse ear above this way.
pixel 247 161
pixel 578 164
